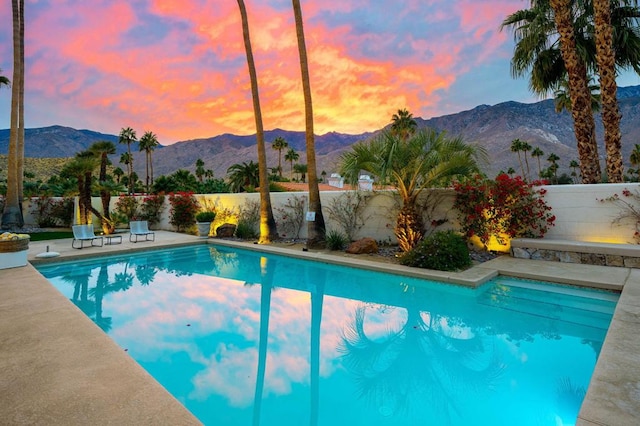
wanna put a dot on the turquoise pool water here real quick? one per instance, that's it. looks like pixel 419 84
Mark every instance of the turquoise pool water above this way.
pixel 243 338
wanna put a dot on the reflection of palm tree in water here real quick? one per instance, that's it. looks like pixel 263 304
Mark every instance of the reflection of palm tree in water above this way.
pixel 420 363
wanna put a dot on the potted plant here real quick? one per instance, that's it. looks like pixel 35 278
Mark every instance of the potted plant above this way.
pixel 203 221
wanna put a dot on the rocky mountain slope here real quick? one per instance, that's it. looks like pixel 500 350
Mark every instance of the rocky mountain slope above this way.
pixel 492 127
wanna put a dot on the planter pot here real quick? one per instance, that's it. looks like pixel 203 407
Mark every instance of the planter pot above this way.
pixel 13 253
pixel 203 229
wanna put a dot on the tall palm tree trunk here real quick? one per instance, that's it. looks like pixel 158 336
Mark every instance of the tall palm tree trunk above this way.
pixel 12 214
pixel 21 111
pixel 268 230
pixel 316 228
pixel 583 123
pixel 606 59
pixel 409 229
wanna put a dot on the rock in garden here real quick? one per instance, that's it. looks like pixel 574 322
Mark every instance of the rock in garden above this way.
pixel 225 230
pixel 364 245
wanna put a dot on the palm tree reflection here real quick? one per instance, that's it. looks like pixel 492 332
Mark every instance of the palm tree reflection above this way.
pixel 420 364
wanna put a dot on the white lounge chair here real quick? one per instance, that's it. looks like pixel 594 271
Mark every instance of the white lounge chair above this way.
pixel 84 233
pixel 140 228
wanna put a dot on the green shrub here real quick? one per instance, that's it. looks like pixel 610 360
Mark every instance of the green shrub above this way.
pixel 245 230
pixel 336 240
pixel 205 216
pixel 443 251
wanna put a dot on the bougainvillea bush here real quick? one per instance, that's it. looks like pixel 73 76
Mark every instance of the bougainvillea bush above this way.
pixel 507 207
pixel 184 208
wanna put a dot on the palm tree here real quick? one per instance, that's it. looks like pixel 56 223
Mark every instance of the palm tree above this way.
pixel 574 165
pixel 279 144
pixel 4 81
pixel 525 147
pixel 583 123
pixel 606 60
pixel 516 146
pixel 315 228
pixel 537 153
pixel 102 150
pixel 243 177
pixel 634 158
pixel 562 100
pixel 128 136
pixel 302 170
pixel 403 123
pixel 148 143
pixel 268 230
pixel 12 213
pixel 291 156
pixel 199 169
pixel 553 159
pixel 424 160
pixel 118 173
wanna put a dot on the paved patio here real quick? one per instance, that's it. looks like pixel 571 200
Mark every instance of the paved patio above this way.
pixel 58 367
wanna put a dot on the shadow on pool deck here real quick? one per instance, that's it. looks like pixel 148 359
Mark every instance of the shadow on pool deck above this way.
pixel 58 367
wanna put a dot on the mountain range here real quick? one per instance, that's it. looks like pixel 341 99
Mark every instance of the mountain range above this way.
pixel 492 127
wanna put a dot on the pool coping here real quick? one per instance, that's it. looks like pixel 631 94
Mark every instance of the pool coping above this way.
pixel 46 378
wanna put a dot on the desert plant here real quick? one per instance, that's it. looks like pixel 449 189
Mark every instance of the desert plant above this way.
pixel 629 205
pixel 290 217
pixel 336 240
pixel 442 250
pixel 348 211
pixel 246 230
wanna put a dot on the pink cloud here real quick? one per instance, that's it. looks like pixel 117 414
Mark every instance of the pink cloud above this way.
pixel 179 68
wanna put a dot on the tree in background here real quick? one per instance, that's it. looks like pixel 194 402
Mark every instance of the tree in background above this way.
pixel 291 156
pixel 403 123
pixel 302 170
pixel 279 144
pixel 316 228
pixel 12 213
pixel 243 177
pixel 200 169
pixel 268 230
pixel 537 153
pixel 127 137
pixel 516 146
pixel 148 143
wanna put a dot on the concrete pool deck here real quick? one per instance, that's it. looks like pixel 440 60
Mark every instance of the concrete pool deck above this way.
pixel 58 367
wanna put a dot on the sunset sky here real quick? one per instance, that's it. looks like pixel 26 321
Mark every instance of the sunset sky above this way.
pixel 178 68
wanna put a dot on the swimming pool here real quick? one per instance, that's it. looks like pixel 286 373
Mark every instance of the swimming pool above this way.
pixel 241 337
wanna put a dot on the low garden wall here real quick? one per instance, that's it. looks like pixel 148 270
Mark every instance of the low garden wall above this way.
pixel 580 215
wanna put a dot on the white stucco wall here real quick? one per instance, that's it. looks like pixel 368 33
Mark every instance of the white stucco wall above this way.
pixel 580 216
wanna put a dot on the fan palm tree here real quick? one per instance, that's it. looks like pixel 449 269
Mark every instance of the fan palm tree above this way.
pixel 606 60
pixel 516 146
pixel 128 136
pixel 316 229
pixel 583 122
pixel 243 177
pixel 199 169
pixel 12 213
pixel 553 159
pixel 291 156
pixel 403 123
pixel 302 170
pixel 574 166
pixel 537 153
pixel 268 229
pixel 148 143
pixel 634 158
pixel 279 144
pixel 424 160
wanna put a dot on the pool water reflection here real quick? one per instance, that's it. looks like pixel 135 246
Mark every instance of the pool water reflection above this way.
pixel 244 338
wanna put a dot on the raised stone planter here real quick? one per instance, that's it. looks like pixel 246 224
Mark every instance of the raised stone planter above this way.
pixel 584 252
